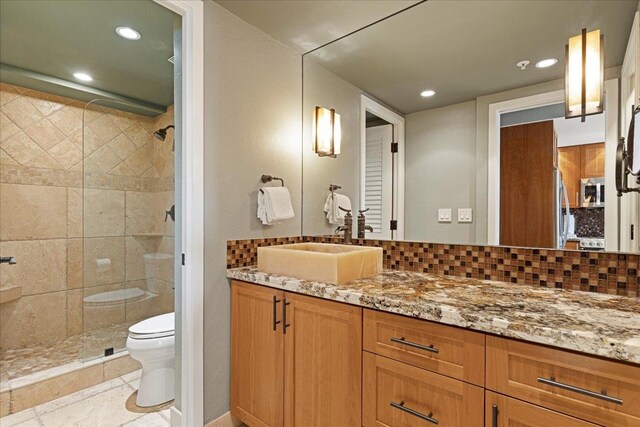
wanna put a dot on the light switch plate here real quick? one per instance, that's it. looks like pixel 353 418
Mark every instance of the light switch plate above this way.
pixel 465 215
pixel 444 215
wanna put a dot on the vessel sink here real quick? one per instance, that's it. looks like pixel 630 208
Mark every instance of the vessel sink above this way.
pixel 321 262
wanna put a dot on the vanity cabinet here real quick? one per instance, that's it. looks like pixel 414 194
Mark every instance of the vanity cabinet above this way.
pixel 295 361
pixel 301 361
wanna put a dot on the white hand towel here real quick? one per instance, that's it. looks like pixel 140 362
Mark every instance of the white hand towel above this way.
pixel 274 205
pixel 332 206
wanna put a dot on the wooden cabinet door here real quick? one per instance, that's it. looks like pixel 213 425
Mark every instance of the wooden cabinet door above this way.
pixel 592 160
pixel 527 191
pixel 502 411
pixel 570 164
pixel 257 355
pixel 323 370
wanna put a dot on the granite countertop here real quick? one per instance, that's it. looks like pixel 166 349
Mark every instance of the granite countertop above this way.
pixel 592 323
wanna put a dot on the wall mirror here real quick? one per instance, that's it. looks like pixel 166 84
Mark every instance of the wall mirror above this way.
pixel 633 146
pixel 452 125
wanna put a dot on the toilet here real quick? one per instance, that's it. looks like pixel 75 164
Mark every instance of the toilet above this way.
pixel 152 343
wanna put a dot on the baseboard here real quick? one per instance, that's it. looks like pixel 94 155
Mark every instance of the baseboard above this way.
pixel 176 417
pixel 225 420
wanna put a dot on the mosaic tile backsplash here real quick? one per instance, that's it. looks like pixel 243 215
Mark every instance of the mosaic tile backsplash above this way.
pixel 589 222
pixel 586 271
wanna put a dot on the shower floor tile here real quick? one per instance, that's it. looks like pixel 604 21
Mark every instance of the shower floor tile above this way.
pixel 17 363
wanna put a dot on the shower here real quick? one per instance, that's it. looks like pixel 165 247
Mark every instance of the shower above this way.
pixel 161 135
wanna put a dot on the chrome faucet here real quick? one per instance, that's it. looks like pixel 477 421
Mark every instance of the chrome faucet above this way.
pixel 347 227
pixel 362 225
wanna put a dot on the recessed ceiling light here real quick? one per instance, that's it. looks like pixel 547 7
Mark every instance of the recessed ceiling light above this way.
pixel 427 93
pixel 128 33
pixel 83 76
pixel 546 63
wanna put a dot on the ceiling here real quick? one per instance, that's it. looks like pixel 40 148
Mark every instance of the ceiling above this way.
pixel 466 49
pixel 43 42
pixel 307 24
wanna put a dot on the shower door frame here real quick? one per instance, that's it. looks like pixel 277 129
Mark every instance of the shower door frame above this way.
pixel 192 286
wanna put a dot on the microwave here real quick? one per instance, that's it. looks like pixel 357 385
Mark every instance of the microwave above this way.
pixel 592 192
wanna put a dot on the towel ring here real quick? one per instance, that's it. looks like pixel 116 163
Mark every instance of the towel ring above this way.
pixel 269 178
pixel 332 188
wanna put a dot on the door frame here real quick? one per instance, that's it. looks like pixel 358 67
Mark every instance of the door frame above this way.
pixel 493 160
pixel 611 101
pixel 372 106
pixel 192 286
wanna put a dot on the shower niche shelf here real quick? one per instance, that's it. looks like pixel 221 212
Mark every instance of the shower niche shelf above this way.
pixel 10 293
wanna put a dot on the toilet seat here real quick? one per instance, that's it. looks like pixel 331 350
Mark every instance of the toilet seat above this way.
pixel 153 328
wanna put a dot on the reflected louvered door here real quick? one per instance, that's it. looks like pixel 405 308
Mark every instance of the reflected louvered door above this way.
pixel 379 181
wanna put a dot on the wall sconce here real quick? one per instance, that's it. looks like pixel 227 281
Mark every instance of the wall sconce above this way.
pixel 584 75
pixel 327 132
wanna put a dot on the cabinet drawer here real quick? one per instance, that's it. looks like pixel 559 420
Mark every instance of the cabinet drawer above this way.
pixel 503 411
pixel 601 391
pixel 443 349
pixel 399 395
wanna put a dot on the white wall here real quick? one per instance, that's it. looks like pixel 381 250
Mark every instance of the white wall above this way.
pixel 252 126
pixel 439 171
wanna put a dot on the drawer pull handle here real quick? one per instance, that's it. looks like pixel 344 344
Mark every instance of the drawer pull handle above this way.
pixel 494 415
pixel 430 348
pixel 414 413
pixel 603 396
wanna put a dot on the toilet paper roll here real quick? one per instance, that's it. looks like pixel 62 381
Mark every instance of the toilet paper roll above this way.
pixel 103 264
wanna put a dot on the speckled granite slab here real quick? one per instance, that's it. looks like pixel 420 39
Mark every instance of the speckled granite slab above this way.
pixel 598 324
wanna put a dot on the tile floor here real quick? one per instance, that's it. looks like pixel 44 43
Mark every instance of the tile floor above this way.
pixel 109 404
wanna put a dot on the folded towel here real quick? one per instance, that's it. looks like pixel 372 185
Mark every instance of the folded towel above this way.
pixel 332 207
pixel 274 205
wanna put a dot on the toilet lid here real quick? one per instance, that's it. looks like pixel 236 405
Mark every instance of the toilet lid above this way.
pixel 159 325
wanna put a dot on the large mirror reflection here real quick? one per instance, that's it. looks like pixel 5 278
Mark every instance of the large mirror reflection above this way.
pixel 450 123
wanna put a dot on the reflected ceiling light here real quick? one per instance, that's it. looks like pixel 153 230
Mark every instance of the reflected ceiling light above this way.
pixel 584 75
pixel 427 93
pixel 545 63
pixel 327 133
pixel 128 33
pixel 83 76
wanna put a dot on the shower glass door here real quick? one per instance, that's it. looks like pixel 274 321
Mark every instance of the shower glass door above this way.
pixel 128 230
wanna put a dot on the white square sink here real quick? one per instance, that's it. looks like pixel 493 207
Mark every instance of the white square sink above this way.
pixel 321 262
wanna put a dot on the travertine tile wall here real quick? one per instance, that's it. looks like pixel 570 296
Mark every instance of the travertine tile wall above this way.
pixel 610 273
pixel 51 167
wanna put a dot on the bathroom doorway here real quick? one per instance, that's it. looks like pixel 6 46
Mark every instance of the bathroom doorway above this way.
pixel 88 167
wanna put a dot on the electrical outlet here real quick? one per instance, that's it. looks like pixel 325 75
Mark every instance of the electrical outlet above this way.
pixel 465 215
pixel 444 215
